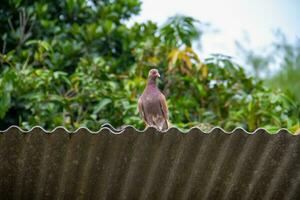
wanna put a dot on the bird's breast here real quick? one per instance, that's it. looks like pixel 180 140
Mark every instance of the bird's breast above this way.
pixel 152 105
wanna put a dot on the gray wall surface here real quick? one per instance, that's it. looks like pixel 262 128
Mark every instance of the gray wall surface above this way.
pixel 149 164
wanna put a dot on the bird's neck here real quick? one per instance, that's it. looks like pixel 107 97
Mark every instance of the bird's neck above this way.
pixel 151 83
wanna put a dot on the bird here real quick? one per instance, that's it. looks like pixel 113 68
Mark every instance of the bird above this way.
pixel 152 104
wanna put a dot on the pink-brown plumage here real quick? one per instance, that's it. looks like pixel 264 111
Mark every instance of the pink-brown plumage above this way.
pixel 152 104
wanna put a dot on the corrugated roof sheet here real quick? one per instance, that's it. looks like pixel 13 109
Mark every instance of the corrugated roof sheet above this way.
pixel 148 164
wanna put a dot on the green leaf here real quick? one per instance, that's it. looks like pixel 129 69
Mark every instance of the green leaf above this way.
pixel 101 105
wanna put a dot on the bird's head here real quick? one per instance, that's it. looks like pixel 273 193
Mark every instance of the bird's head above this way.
pixel 153 74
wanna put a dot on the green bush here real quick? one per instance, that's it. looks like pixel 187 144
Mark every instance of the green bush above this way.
pixel 77 63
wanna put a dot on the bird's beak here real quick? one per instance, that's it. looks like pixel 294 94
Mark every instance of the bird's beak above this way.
pixel 158 75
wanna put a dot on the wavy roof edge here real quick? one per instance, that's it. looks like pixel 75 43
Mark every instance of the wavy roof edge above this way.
pixel 111 129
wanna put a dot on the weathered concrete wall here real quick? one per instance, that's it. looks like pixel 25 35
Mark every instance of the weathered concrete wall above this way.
pixel 149 165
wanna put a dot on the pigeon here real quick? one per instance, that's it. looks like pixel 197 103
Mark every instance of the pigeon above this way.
pixel 152 104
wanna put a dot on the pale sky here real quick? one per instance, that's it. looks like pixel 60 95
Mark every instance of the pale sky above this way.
pixel 258 18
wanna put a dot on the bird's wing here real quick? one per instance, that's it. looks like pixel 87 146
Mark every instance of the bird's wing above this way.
pixel 141 110
pixel 164 107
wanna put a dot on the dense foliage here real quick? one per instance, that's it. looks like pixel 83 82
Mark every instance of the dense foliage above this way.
pixel 77 63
